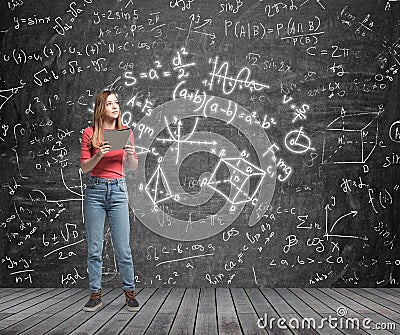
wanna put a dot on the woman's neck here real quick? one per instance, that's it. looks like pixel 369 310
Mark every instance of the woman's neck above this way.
pixel 109 125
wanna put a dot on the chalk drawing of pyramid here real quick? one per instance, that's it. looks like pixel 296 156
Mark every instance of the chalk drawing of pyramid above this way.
pixel 157 188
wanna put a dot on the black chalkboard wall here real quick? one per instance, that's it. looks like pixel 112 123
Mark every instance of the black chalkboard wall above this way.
pixel 268 136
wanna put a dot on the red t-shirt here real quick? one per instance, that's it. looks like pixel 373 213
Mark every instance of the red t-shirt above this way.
pixel 112 164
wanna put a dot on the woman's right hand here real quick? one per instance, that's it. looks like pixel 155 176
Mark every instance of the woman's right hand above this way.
pixel 103 149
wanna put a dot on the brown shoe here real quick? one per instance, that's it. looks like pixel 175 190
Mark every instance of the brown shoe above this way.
pixel 94 302
pixel 131 302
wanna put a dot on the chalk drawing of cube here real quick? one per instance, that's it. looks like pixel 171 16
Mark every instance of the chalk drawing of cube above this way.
pixel 241 185
pixel 351 138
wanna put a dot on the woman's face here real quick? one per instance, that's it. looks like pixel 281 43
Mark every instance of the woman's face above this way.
pixel 112 108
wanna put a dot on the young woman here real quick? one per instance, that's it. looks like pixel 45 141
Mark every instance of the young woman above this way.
pixel 106 195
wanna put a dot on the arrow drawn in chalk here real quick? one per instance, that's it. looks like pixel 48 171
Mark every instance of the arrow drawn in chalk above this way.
pixel 354 213
pixel 328 235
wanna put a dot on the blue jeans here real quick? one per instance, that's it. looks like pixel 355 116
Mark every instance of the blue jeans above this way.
pixel 107 197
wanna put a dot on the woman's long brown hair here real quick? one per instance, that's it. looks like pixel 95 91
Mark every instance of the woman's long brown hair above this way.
pixel 98 118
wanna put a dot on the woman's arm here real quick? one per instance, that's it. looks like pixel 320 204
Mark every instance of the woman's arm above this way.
pixel 131 157
pixel 88 164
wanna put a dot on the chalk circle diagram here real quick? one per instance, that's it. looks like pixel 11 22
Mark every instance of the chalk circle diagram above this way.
pixel 201 165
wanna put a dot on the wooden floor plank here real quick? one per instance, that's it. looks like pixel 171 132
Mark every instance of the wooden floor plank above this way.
pixel 377 297
pixel 163 320
pixel 207 302
pixel 284 311
pixel 248 317
pixel 328 313
pixel 335 305
pixel 389 291
pixel 186 316
pixel 384 295
pixel 341 322
pixel 116 301
pixel 380 306
pixel 5 291
pixel 227 319
pixel 143 318
pixel 28 315
pixel 278 303
pixel 305 311
pixel 375 303
pixel 355 304
pixel 64 313
pixel 161 324
pixel 241 301
pixel 232 311
pixel 173 301
pixel 19 297
pixel 120 320
pixel 4 316
pixel 36 303
pixel 24 302
pixel 34 321
pixel 206 318
pixel 80 316
pixel 346 301
pixel 315 304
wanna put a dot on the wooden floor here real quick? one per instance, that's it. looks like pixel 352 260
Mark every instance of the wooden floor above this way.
pixel 202 311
